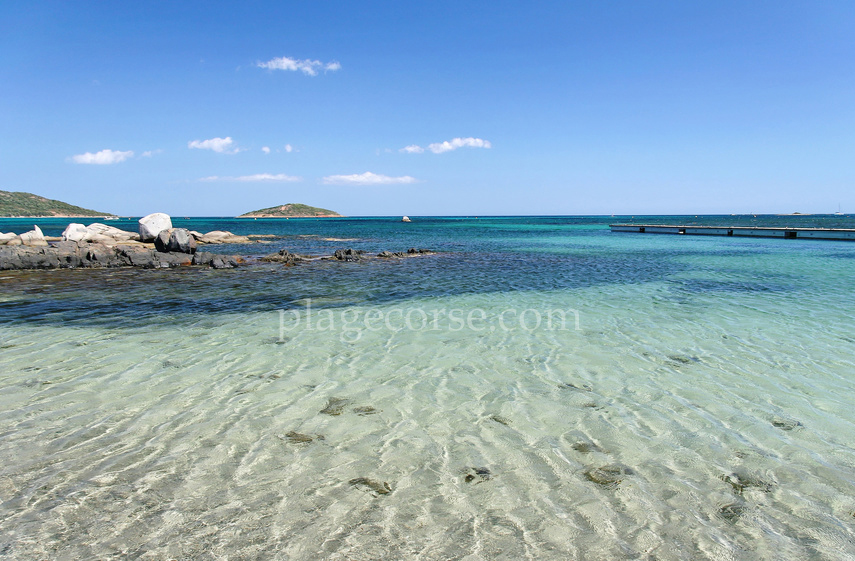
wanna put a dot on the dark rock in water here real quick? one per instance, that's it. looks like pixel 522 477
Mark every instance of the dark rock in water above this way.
pixel 283 256
pixel 732 512
pixel 609 476
pixel 786 424
pixel 501 420
pixel 335 406
pixel 414 250
pixel 300 438
pixel 371 486
pixel 161 241
pixel 477 475
pixel 390 254
pixel 683 359
pixel 348 254
pixel 579 387
pixel 741 481
pixel 586 447
pixel 180 241
pixel 68 254
pixel 364 410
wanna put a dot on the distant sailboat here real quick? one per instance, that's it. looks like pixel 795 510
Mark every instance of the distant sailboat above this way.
pixel 838 213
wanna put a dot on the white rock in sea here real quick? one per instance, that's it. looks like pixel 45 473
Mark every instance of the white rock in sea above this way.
pixel 34 237
pixel 74 232
pixel 153 224
pixel 219 236
pixel 4 238
pixel 97 229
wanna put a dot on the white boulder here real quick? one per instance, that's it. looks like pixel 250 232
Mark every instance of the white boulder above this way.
pixel 97 229
pixel 153 224
pixel 4 238
pixel 34 237
pixel 74 232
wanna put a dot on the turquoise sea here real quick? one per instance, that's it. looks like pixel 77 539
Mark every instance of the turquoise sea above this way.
pixel 541 388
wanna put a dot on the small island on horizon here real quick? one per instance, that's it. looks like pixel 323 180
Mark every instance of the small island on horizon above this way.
pixel 18 204
pixel 292 210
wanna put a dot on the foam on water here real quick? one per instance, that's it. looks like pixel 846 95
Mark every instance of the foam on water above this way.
pixel 701 410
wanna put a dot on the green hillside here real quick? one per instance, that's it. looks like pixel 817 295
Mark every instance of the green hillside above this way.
pixel 16 203
pixel 291 210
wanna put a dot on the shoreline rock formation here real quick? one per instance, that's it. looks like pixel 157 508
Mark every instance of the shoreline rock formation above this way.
pixel 101 246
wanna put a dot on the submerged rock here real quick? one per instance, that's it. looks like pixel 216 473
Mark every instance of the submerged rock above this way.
pixel 586 447
pixel 477 475
pixel 741 481
pixel 414 250
pixel 608 476
pixel 372 486
pixel 301 438
pixel 365 410
pixel 786 424
pixel 732 512
pixel 335 406
pixel 501 420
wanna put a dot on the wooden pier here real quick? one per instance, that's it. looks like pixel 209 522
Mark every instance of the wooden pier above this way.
pixel 740 231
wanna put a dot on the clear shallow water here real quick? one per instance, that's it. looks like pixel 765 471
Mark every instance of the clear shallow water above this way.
pixel 145 414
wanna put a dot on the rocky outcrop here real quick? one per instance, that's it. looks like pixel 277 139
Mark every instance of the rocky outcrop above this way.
pixel 218 237
pixel 391 254
pixel 178 240
pixel 97 233
pixel 284 256
pixel 153 224
pixel 69 254
pixel 33 238
pixel 348 254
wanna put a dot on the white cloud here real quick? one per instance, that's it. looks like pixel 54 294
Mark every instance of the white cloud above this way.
pixel 308 67
pixel 454 144
pixel 412 149
pixel 150 153
pixel 289 148
pixel 221 145
pixel 258 177
pixel 103 157
pixel 367 178
pixel 265 149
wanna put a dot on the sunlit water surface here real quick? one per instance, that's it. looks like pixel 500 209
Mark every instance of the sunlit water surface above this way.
pixel 540 389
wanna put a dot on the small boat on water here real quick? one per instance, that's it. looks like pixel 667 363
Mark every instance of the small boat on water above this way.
pixel 406 219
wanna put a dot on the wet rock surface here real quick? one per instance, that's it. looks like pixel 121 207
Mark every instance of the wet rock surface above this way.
pixel 371 486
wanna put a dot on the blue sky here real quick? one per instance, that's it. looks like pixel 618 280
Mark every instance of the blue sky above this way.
pixel 433 108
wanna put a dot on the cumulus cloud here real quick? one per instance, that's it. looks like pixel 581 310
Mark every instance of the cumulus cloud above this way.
pixel 265 149
pixel 455 143
pixel 289 148
pixel 367 178
pixel 306 66
pixel 103 157
pixel 412 149
pixel 222 145
pixel 258 177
